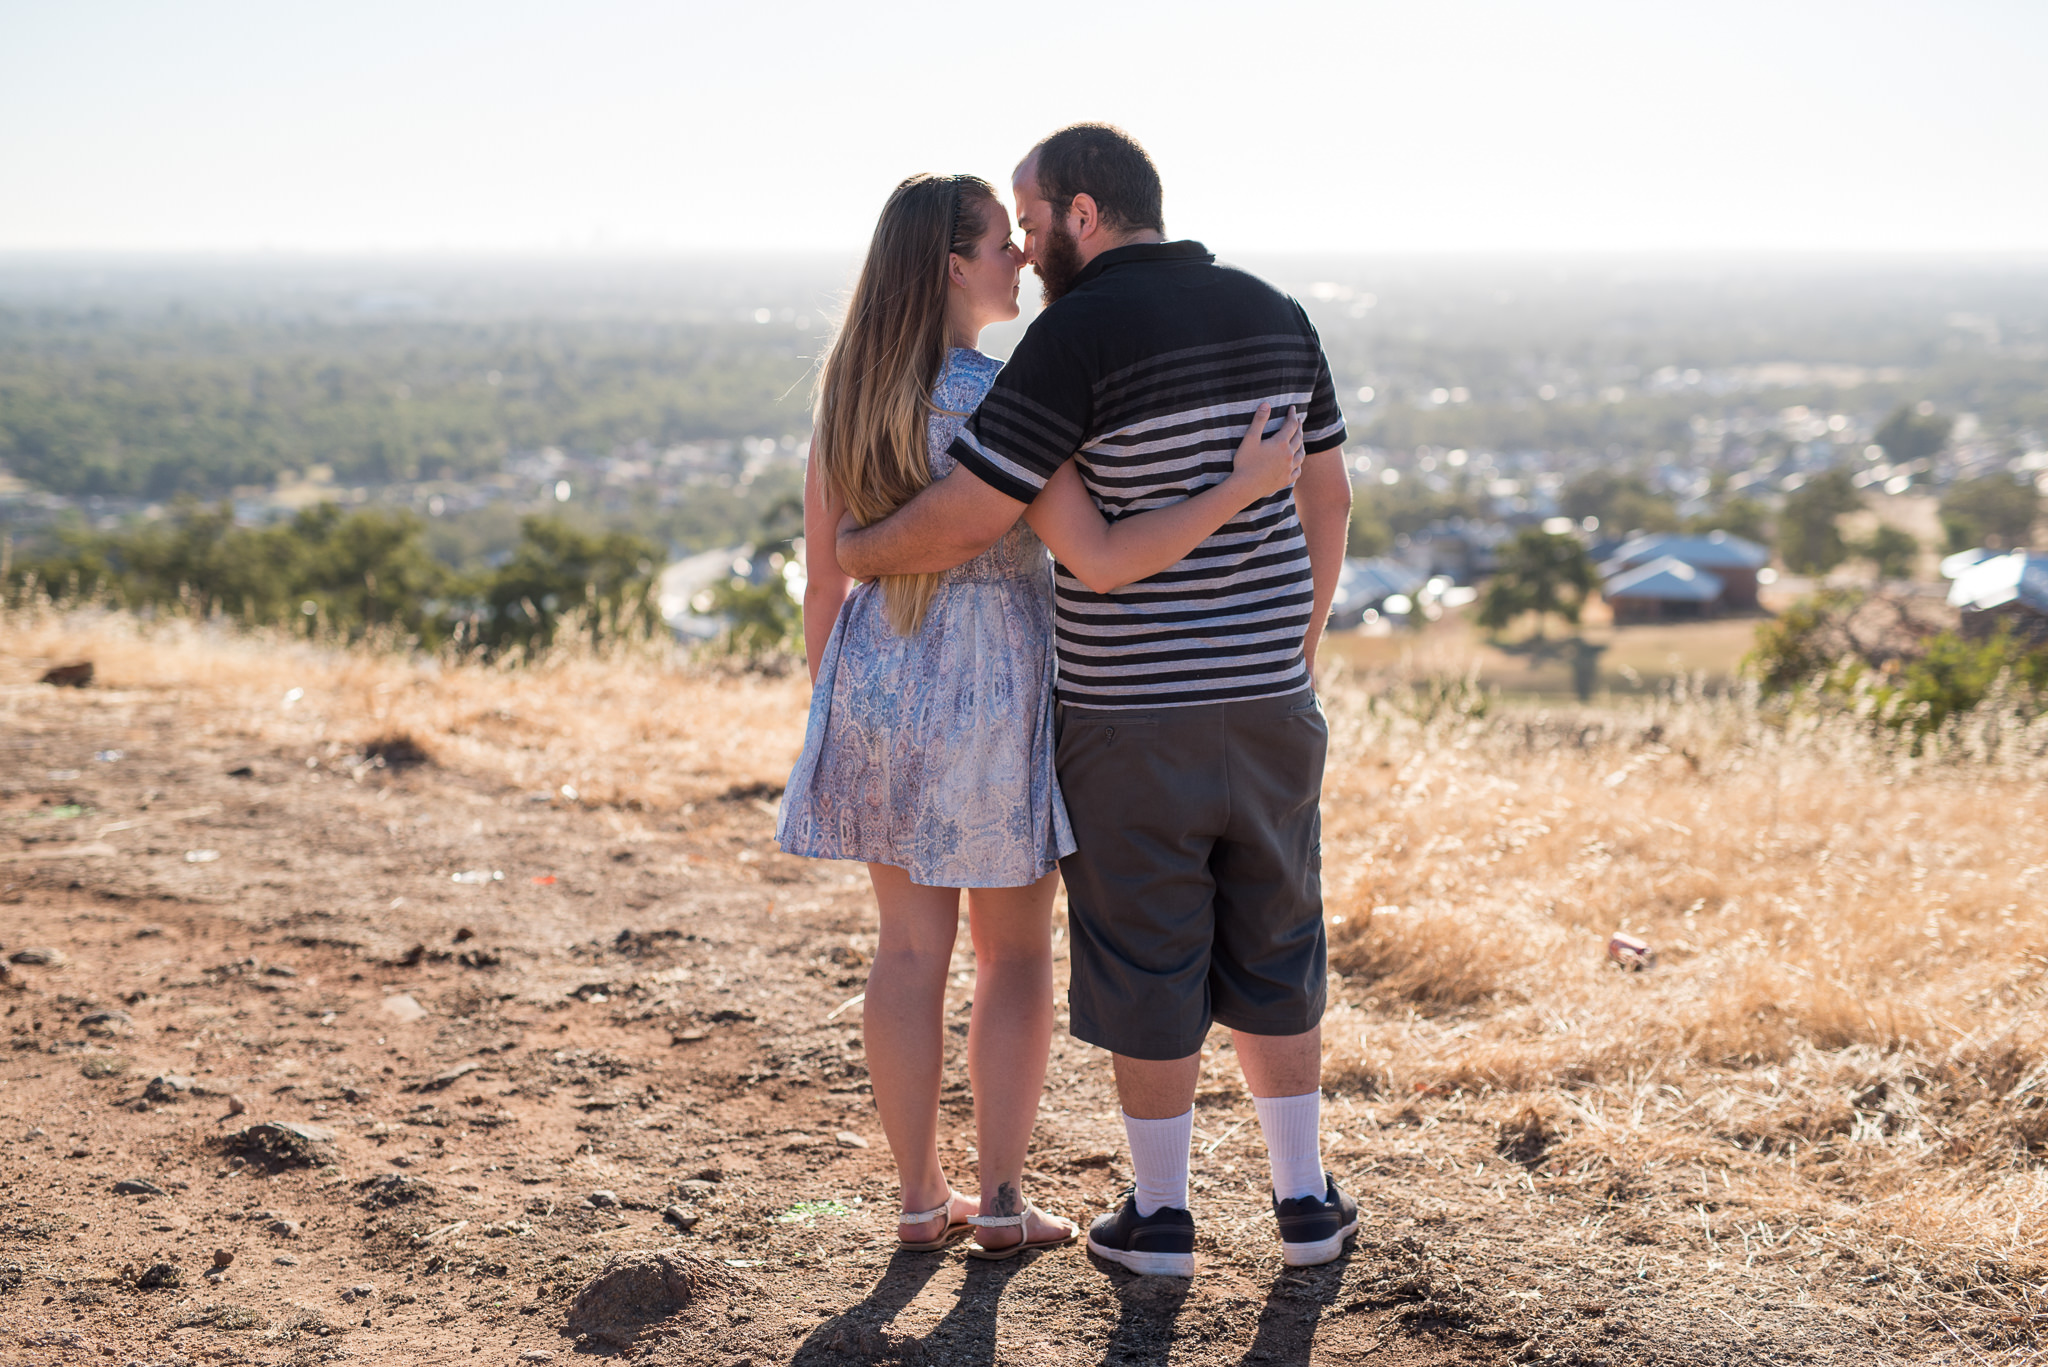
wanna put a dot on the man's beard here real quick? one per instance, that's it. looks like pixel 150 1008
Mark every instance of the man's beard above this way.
pixel 1059 262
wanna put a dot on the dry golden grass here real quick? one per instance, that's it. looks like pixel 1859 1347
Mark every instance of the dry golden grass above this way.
pixel 635 727
pixel 1841 1056
pixel 1842 1051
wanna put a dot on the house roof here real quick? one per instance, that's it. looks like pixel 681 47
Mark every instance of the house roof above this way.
pixel 1711 551
pixel 2015 577
pixel 1953 566
pixel 1668 579
pixel 1375 579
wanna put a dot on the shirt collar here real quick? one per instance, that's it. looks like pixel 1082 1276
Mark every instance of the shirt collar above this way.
pixel 1141 252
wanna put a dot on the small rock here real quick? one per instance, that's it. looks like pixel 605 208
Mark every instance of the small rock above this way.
pixel 536 1355
pixel 708 1175
pixel 403 1008
pixel 684 1220
pixel 222 1257
pixel 282 1227
pixel 464 933
pixel 78 675
pixel 81 1152
pixel 167 1087
pixel 137 1186
pixel 696 1187
pixel 847 1139
pixel 106 1022
pixel 44 957
pixel 603 1200
pixel 285 1259
pixel 160 1275
pixel 455 1074
pixel 236 1106
pixel 281 971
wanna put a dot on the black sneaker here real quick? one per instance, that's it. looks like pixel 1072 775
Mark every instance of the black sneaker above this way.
pixel 1161 1244
pixel 1313 1232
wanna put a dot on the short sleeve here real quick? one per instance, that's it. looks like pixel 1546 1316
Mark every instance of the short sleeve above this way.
pixel 1033 420
pixel 1323 428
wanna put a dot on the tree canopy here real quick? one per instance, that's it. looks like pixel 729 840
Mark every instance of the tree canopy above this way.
pixel 1540 572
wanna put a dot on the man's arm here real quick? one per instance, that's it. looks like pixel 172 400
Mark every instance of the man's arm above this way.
pixel 1322 500
pixel 949 523
pixel 825 584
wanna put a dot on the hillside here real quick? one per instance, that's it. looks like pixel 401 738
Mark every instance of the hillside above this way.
pixel 518 944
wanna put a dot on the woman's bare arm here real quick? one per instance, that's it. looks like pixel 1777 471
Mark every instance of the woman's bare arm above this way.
pixel 1107 555
pixel 825 584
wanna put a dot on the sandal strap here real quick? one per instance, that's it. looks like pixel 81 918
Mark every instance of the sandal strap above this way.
pixel 918 1217
pixel 1000 1221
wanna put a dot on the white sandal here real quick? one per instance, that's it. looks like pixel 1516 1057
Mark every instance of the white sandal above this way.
pixel 953 1231
pixel 1022 1245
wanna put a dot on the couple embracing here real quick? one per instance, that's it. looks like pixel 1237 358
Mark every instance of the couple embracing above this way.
pixel 1137 716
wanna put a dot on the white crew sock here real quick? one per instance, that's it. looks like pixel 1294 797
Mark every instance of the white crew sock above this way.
pixel 1159 1160
pixel 1293 1129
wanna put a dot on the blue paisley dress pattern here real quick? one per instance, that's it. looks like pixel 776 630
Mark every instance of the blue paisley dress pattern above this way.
pixel 933 753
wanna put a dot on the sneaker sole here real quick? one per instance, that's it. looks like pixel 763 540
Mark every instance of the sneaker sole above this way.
pixel 1146 1264
pixel 1320 1251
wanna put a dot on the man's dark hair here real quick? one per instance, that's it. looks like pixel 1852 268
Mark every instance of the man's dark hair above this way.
pixel 1104 162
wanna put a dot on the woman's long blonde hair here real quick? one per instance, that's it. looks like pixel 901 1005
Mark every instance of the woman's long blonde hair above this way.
pixel 876 390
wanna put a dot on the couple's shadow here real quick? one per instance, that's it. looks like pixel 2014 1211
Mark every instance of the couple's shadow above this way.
pixel 863 1333
pixel 1147 1309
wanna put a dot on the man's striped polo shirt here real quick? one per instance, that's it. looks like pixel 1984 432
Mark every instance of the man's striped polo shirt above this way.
pixel 1147 372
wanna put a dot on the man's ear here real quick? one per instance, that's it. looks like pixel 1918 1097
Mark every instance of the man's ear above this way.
pixel 1084 217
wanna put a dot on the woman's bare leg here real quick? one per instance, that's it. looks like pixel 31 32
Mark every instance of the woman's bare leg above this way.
pixel 1008 1038
pixel 903 1032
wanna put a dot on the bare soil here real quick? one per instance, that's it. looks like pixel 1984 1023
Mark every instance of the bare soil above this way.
pixel 501 1004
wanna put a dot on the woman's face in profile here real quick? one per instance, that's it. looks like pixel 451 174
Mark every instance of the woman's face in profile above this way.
pixel 990 278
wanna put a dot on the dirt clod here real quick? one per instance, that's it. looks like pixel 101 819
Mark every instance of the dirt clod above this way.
pixel 394 1189
pixel 283 1144
pixel 167 1087
pixel 137 1186
pixel 636 1289
pixel 78 675
pixel 39 956
pixel 160 1275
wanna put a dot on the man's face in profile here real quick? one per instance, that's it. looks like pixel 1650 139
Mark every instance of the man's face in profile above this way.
pixel 1048 245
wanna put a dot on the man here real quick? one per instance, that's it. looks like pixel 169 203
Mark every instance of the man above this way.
pixel 1191 745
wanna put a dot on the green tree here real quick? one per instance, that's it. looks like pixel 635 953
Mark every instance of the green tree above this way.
pixel 1739 516
pixel 559 570
pixel 1909 434
pixel 1996 511
pixel 1809 531
pixel 1891 549
pixel 1623 503
pixel 1540 572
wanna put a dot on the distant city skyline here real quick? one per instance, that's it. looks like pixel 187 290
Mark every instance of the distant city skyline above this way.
pixel 637 127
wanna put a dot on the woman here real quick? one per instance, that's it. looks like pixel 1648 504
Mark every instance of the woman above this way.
pixel 929 750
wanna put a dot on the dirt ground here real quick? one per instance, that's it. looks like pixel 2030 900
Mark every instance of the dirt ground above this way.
pixel 542 1035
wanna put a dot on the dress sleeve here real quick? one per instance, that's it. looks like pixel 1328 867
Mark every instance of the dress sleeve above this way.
pixel 1034 419
pixel 1323 428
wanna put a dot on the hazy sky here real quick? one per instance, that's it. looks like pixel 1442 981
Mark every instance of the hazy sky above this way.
pixel 1428 124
